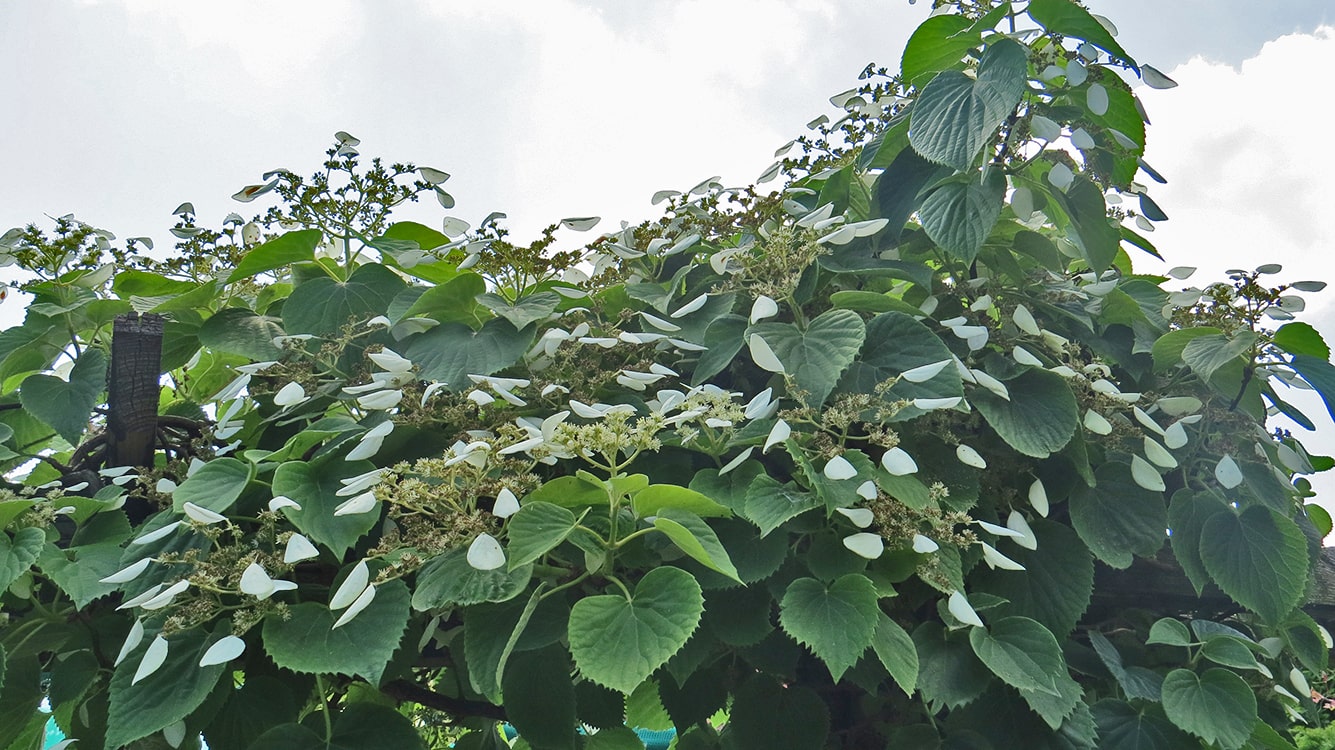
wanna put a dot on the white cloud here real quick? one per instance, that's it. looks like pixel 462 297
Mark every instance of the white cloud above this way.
pixel 271 42
pixel 1250 180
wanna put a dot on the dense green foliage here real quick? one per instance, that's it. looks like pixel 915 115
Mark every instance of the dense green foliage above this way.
pixel 833 466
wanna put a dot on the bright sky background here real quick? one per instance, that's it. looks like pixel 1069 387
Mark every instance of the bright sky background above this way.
pixel 118 110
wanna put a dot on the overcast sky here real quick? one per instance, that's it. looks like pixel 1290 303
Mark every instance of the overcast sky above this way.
pixel 118 110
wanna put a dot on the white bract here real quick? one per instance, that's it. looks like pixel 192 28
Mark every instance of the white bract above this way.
pixel 363 503
pixel 256 582
pixel 865 544
pixel 362 601
pixel 764 307
pixel 164 597
pixel 283 501
pixel 132 641
pixel 1145 475
pixel 1038 498
pixel 299 548
pixel 763 355
pixel 898 462
pixel 128 573
pixel 923 545
pixel 1016 522
pixel 741 457
pixel 923 373
pixel 860 517
pixel 154 656
pixel 777 434
pixel 959 607
pixel 969 457
pixel 201 515
pixel 351 587
pixel 485 553
pixel 838 468
pixel 154 536
pixel 995 559
pixel 290 395
pixel 226 649
pixel 506 504
pixel 1097 423
pixel 1228 473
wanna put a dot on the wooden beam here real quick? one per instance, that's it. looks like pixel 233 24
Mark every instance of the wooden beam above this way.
pixel 132 389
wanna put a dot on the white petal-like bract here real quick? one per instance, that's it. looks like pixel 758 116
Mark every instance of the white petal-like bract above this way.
pixel 1097 423
pixel 860 517
pixel 777 434
pixel 1038 497
pixel 128 573
pixel 506 504
pixel 132 641
pixel 299 548
pixel 736 461
pixel 1016 522
pixel 485 553
pixel 256 582
pixel 997 560
pixel 764 307
pixel 290 395
pixel 898 462
pixel 362 601
pixel 838 468
pixel 1145 475
pixel 352 587
pixel 154 656
pixel 226 649
pixel 969 457
pixel 153 536
pixel 923 373
pixel 1228 473
pixel 865 544
pixel 1159 455
pixel 763 355
pixel 959 607
pixel 201 515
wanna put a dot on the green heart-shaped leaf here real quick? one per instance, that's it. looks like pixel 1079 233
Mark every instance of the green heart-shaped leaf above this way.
pixel 215 485
pixel 619 642
pixel 1257 557
pixel 915 345
pixel 837 622
pixel 307 641
pixel 449 579
pixel 959 215
pixel 164 697
pixel 67 406
pixel 314 488
pixel 535 530
pixel 284 250
pixel 1020 651
pixel 322 306
pixel 18 555
pixel 694 537
pixel 1217 706
pixel 955 114
pixel 235 330
pixel 1117 518
pixel 449 353
pixel 1039 418
pixel 816 356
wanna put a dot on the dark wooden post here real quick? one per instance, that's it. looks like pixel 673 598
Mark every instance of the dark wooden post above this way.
pixel 132 389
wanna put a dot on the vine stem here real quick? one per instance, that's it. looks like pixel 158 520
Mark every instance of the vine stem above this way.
pixel 324 705
pixel 625 591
